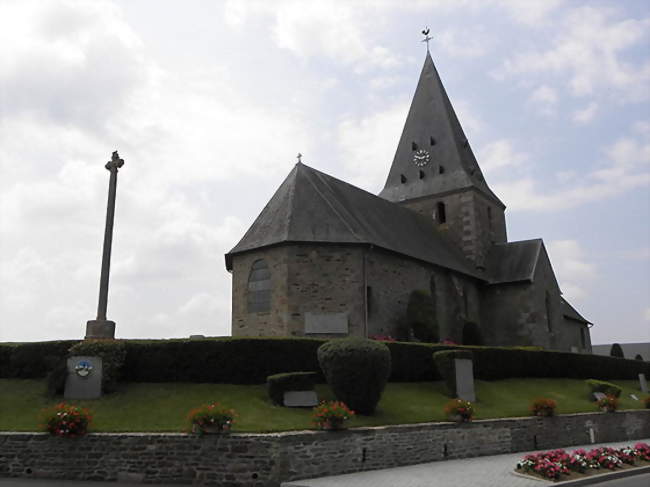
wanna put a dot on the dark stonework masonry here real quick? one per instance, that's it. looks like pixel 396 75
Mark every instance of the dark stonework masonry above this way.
pixel 247 460
pixel 325 258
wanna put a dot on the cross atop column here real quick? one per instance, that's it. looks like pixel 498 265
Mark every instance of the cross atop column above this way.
pixel 427 38
pixel 299 157
pixel 115 162
pixel 102 327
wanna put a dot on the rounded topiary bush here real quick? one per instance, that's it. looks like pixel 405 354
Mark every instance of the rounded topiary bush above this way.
pixel 357 370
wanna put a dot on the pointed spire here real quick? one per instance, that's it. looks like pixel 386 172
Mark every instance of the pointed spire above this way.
pixel 433 155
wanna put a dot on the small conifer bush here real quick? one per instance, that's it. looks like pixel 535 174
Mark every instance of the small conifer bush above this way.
pixel 357 370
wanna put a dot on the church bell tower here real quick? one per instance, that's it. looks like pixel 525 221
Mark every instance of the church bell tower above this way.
pixel 435 173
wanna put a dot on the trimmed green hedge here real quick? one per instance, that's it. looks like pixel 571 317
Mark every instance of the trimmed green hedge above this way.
pixel 32 360
pixel 444 362
pixel 278 384
pixel 252 360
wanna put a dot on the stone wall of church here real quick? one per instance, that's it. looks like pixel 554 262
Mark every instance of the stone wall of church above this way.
pixel 469 224
pixel 267 323
pixel 529 313
pixel 325 280
pixel 391 279
pixel 573 332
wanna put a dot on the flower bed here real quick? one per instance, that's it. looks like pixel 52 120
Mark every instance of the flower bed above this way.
pixel 66 420
pixel 331 415
pixel 558 465
pixel 211 418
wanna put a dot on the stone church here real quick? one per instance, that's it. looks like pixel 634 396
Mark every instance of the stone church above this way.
pixel 325 258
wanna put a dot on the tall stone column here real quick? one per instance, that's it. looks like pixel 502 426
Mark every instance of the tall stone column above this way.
pixel 102 327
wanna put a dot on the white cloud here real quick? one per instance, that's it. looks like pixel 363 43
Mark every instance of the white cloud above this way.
pixel 589 52
pixel 366 150
pixel 530 12
pixel 500 154
pixel 335 29
pixel 627 167
pixel 586 114
pixel 573 270
pixel 544 98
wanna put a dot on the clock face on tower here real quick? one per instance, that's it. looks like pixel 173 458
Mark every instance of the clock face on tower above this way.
pixel 421 158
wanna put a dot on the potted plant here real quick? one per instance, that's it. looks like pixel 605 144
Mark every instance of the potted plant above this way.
pixel 608 404
pixel 66 420
pixel 211 419
pixel 459 410
pixel 543 407
pixel 331 415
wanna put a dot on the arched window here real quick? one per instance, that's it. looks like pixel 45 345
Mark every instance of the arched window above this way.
pixel 441 214
pixel 259 287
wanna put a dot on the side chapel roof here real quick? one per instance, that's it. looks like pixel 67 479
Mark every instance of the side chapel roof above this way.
pixel 311 206
pixel 513 261
pixel 570 312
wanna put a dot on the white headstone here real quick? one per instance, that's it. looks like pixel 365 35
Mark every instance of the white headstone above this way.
pixel 464 379
pixel 643 383
pixel 633 396
pixel 84 380
pixel 300 399
pixel 599 395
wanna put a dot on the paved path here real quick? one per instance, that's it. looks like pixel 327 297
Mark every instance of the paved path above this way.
pixel 491 471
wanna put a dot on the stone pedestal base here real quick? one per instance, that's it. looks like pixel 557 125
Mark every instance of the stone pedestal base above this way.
pixel 100 329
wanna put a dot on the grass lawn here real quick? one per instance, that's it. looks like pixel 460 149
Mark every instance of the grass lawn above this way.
pixel 163 407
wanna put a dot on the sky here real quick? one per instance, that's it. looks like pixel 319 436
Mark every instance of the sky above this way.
pixel 208 103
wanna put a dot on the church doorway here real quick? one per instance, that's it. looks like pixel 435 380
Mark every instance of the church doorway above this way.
pixel 472 334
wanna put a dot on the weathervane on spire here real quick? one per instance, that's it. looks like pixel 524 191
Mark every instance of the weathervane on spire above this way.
pixel 299 157
pixel 427 38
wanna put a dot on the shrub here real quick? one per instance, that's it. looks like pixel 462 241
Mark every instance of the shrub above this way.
pixel 608 403
pixel 331 415
pixel 616 351
pixel 445 364
pixel 543 407
pixel 421 316
pixel 638 357
pixel 56 378
pixel 278 384
pixel 357 370
pixel 32 360
pixel 66 420
pixel 223 360
pixel 211 417
pixel 601 386
pixel 112 353
pixel 459 410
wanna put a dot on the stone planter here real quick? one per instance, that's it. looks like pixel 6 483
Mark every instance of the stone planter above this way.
pixel 457 418
pixel 333 424
pixel 210 430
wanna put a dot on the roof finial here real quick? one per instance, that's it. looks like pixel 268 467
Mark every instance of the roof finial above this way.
pixel 299 157
pixel 427 38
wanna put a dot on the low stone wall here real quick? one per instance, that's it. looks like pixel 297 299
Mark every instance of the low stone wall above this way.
pixel 268 459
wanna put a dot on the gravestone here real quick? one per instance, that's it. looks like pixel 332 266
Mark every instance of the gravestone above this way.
pixel 599 395
pixel 464 371
pixel 326 323
pixel 643 383
pixel 300 399
pixel 633 396
pixel 84 380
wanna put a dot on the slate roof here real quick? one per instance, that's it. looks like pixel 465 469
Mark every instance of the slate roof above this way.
pixel 570 312
pixel 431 118
pixel 311 206
pixel 513 261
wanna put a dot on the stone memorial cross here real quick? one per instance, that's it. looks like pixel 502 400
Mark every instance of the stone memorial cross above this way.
pixel 101 327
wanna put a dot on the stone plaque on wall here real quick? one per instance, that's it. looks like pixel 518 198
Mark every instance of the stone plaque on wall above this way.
pixel 326 323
